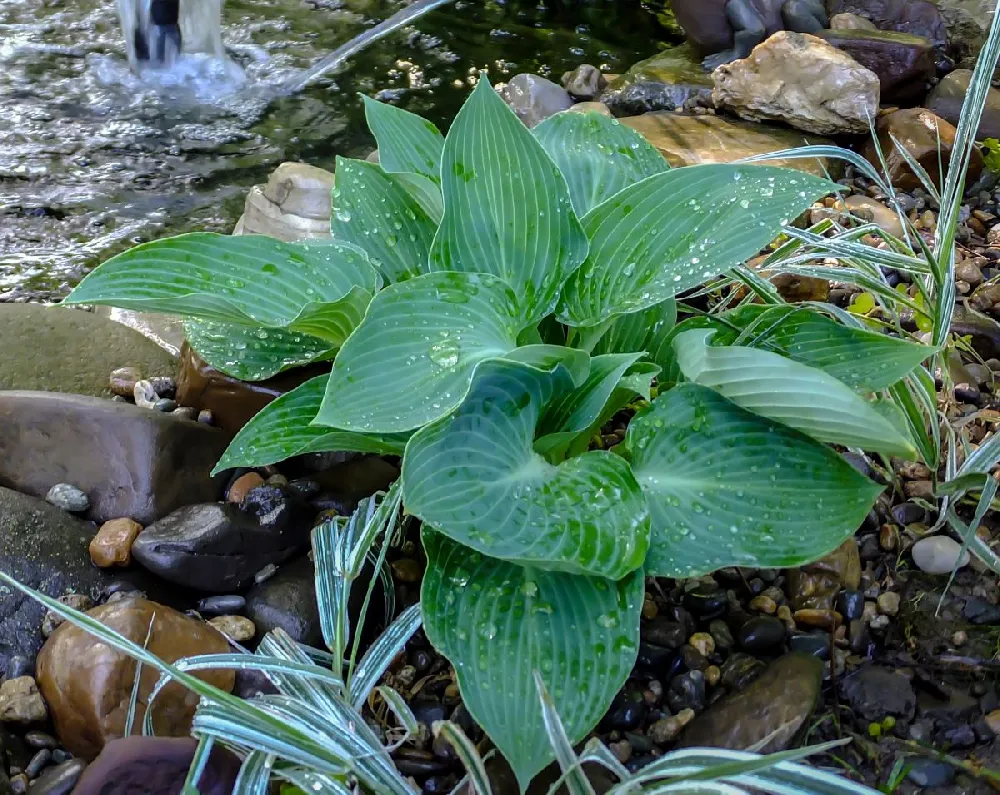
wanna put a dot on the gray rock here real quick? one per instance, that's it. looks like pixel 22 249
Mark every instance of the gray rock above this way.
pixel 534 99
pixel 129 461
pixel 67 497
pixel 929 773
pixel 288 601
pixel 215 547
pixel 875 693
pixel 939 554
pixel 585 82
pixel 947 97
pixel 59 779
pixel 670 79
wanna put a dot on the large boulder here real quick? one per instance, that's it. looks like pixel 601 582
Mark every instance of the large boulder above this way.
pixel 293 205
pixel 690 140
pixel 88 684
pixel 45 548
pixel 904 63
pixel 130 461
pixel 534 98
pixel 947 97
pixel 56 349
pixel 928 139
pixel 802 81
pixel 166 331
pixel 670 79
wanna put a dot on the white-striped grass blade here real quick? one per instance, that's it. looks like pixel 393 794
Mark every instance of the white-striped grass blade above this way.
pixel 572 776
pixel 381 654
pixel 466 751
pixel 201 754
pixel 255 773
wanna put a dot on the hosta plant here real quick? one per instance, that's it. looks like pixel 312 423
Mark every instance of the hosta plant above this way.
pixel 491 300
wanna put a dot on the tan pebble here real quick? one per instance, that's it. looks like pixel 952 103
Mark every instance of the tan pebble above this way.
pixel 785 614
pixel 976 226
pixel 622 750
pixel 703 642
pixel 810 617
pixel 712 675
pixel 407 570
pixel 123 380
pixel 451 692
pixel 20 701
pixel 238 628
pixel 888 537
pixel 913 470
pixel 649 609
pixel 666 729
pixel 764 604
pixel 869 612
pixel 591 107
pixel 960 638
pixel 242 486
pixel 112 546
pixel 923 489
pixel 888 603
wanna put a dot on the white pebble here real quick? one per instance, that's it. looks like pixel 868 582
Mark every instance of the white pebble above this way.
pixel 938 554
pixel 68 497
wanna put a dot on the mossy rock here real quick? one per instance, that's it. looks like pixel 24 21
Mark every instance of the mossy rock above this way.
pixel 57 349
pixel 675 66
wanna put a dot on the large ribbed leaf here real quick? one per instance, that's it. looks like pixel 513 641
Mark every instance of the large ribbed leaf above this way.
pixel 253 353
pixel 672 231
pixel 726 487
pixel 377 213
pixel 320 289
pixel 507 209
pixel 412 359
pixel 639 331
pixel 281 430
pixel 474 476
pixel 801 397
pixel 499 622
pixel 598 156
pixel 407 143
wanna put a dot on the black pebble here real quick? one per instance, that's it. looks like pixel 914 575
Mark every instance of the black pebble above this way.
pixel 979 611
pixel 41 740
pixel 626 711
pixel 60 779
pixel 818 645
pixel 927 773
pixel 851 605
pixel 225 605
pixel 652 656
pixel 762 634
pixel 961 736
pixel 721 634
pixel 422 661
pixel 38 761
pixel 706 601
pixel 427 711
pixel 436 784
pixel 687 691
pixel 664 633
pixel 908 512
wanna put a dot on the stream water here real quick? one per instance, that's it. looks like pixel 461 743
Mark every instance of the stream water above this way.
pixel 94 159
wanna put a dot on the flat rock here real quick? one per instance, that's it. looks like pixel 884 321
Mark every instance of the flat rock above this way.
pixel 156 766
pixel 57 349
pixel 131 462
pixel 802 81
pixel 668 80
pixel 875 693
pixel 947 97
pixel 88 685
pixel 47 549
pixel 215 547
pixel 765 715
pixel 166 331
pixel 928 139
pixel 689 140
pixel 904 63
pixel 916 17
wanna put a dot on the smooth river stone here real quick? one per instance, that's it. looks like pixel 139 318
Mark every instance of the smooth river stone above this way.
pixel 938 555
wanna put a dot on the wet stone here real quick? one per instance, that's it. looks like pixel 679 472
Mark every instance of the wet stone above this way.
pixel 740 669
pixel 665 633
pixel 38 761
pixel 693 659
pixel 874 693
pixel 851 604
pixel 706 601
pixel 165 405
pixel 762 634
pixel 816 645
pixel 123 380
pixel 928 773
pixel 19 665
pixel 228 604
pixel 687 691
pixel 626 711
pixel 721 634
pixel 237 628
pixel 41 740
pixel 907 513
pixel 19 784
pixel 68 497
pixel 59 779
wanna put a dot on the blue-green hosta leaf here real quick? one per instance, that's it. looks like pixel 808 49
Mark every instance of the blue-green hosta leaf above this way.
pixel 639 331
pixel 474 476
pixel 507 209
pixel 547 357
pixel 598 156
pixel 319 288
pixel 638 379
pixel 727 487
pixel 412 359
pixel 672 231
pixel 499 622
pixel 252 353
pixel 281 430
pixel 376 213
pixel 406 142
pixel 801 397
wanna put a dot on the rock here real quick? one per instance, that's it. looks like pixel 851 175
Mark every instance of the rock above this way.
pixel 923 135
pixel 166 331
pixel 585 82
pixel 21 703
pixel 57 349
pixel 978 611
pixel 235 628
pixel 231 604
pixel 67 497
pixel 666 729
pixel 687 691
pixel 669 80
pixel 690 140
pixel 740 669
pixel 59 779
pixel 815 585
pixel 156 766
pixel 534 98
pixel 802 81
pixel 938 554
pixel 764 716
pixel 288 601
pixel 904 63
pixel 916 17
pixel 215 547
pixel 703 642
pixel 242 486
pixel 930 773
pixel 873 211
pixel 706 600
pixel 591 107
pixel 293 205
pixel 875 693
pixel 850 22
pixel 112 546
pixel 76 601
pixel 129 461
pixel 762 634
pixel 88 685
pixel 888 603
pixel 796 288
pixel 626 711
pixel 46 549
pixel 660 631
pixel 947 97
pixel 233 402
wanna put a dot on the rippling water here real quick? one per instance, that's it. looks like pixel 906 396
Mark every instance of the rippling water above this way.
pixel 94 159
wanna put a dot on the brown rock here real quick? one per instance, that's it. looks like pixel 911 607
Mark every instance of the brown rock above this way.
pixel 591 107
pixel 796 288
pixel 764 604
pixel 112 546
pixel 703 642
pixel 816 585
pixel 123 381
pixel 868 209
pixel 947 97
pixel 407 570
pixel 916 17
pixel 666 729
pixel 129 461
pixel 824 619
pixel 690 140
pixel 242 486
pixel 904 63
pixel 765 715
pixel 20 701
pixel 233 402
pixel 88 685
pixel 923 135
